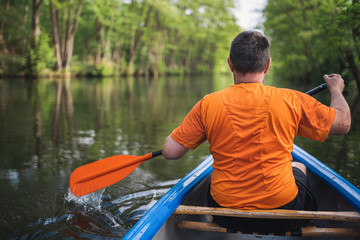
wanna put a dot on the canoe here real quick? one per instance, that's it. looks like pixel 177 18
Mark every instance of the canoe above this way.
pixel 182 213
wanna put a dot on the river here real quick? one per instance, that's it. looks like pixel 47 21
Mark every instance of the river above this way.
pixel 49 127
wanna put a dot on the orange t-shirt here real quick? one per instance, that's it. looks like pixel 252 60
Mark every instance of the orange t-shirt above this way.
pixel 251 130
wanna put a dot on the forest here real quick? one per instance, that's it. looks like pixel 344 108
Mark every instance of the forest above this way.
pixel 312 37
pixel 101 38
pixel 170 37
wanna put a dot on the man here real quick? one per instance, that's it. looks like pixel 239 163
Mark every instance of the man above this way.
pixel 251 130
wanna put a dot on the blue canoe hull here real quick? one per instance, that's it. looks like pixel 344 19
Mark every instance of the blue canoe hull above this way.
pixel 148 226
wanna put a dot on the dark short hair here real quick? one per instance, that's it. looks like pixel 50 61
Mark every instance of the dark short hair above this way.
pixel 250 52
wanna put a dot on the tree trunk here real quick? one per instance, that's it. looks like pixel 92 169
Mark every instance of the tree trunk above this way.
pixel 7 6
pixel 107 50
pixel 355 69
pixel 116 52
pixel 64 51
pixel 35 32
pixel 136 39
pixel 116 55
pixel 3 48
pixel 187 57
pixel 71 28
pixel 63 35
pixel 54 19
pixel 35 21
pixel 97 54
pixel 154 49
pixel 173 43
pixel 68 53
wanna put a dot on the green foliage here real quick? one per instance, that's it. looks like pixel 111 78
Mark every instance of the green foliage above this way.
pixel 42 56
pixel 311 38
pixel 12 65
pixel 14 32
pixel 124 37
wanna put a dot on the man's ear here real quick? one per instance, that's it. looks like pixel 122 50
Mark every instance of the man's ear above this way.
pixel 268 67
pixel 230 64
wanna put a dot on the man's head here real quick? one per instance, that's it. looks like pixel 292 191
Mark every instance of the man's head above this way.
pixel 250 52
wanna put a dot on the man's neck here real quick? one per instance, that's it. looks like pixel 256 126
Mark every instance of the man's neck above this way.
pixel 248 78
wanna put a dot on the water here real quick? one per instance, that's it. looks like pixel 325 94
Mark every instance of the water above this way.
pixel 49 127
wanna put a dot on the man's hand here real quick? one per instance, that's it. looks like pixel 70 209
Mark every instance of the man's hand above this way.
pixel 334 82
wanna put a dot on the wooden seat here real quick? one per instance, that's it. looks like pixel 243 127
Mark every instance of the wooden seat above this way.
pixel 305 232
pixel 351 216
pixel 309 231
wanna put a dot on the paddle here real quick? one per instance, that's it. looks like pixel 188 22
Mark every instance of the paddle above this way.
pixel 97 175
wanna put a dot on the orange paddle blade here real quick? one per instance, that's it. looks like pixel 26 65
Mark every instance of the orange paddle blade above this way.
pixel 97 175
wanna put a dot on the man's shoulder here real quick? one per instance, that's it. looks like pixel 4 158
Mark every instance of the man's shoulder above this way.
pixel 215 94
pixel 286 91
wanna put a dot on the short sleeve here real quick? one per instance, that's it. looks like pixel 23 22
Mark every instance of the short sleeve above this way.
pixel 191 132
pixel 316 118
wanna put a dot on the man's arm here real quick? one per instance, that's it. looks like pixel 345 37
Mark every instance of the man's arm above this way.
pixel 342 121
pixel 173 150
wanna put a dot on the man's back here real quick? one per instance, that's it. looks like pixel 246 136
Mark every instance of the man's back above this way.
pixel 250 128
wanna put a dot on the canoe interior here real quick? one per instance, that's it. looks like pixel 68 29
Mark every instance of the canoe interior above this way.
pixel 327 199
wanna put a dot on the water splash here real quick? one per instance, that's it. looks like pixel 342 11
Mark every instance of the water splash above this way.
pixel 92 200
pixel 90 216
pixel 100 215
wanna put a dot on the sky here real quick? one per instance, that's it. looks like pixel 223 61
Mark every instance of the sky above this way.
pixel 248 13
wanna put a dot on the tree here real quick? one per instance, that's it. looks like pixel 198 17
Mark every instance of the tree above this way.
pixel 344 35
pixel 14 36
pixel 40 53
pixel 69 24
pixel 291 26
pixel 313 37
pixel 129 37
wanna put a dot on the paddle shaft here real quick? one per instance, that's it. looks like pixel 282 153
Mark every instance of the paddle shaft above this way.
pixel 157 153
pixel 317 89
